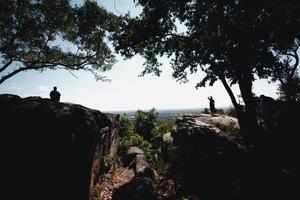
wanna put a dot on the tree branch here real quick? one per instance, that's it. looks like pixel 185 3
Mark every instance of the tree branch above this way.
pixel 6 65
pixel 74 66
pixel 4 78
pixel 281 80
pixel 229 91
pixel 69 72
pixel 56 62
pixel 295 55
pixel 296 62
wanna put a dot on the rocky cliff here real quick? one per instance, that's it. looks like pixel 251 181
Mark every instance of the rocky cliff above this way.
pixel 211 162
pixel 38 157
pixel 207 155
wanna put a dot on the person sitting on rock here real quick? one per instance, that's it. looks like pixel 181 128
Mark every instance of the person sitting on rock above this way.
pixel 55 95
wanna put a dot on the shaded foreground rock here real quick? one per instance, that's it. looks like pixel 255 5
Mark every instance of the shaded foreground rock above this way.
pixel 36 131
pixel 142 185
pixel 137 189
pixel 137 160
pixel 110 181
pixel 207 158
pixel 211 163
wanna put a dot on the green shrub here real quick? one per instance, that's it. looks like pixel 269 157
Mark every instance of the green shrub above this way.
pixel 157 134
pixel 206 111
pixel 144 132
pixel 218 111
pixel 160 129
pixel 126 125
pixel 137 141
pixel 145 122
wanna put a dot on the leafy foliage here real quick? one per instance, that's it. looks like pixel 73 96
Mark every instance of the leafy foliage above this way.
pixel 287 74
pixel 215 36
pixel 39 35
pixel 218 111
pixel 206 111
pixel 290 91
pixel 160 129
pixel 145 123
pixel 214 41
pixel 148 122
pixel 136 140
pixel 126 126
pixel 129 138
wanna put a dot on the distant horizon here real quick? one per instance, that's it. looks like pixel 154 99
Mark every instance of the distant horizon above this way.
pixel 167 109
pixel 125 110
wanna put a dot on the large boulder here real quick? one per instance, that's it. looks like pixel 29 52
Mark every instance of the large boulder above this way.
pixel 142 185
pixel 167 138
pixel 138 161
pixel 206 161
pixel 134 151
pixel 210 154
pixel 205 131
pixel 38 156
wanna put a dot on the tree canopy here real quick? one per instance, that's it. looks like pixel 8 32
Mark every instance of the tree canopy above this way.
pixel 231 41
pixel 286 72
pixel 145 122
pixel 51 34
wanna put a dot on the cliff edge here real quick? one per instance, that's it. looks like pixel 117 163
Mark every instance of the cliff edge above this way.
pixel 37 154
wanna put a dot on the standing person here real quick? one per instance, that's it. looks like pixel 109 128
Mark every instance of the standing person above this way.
pixel 211 105
pixel 55 95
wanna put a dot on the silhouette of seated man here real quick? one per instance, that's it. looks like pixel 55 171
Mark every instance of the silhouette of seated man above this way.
pixel 211 105
pixel 55 95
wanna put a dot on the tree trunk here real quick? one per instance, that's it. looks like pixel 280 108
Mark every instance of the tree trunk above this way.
pixel 237 107
pixel 249 126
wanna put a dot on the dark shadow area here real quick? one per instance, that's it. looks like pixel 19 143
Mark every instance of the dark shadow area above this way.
pixel 214 167
pixel 137 189
pixel 38 162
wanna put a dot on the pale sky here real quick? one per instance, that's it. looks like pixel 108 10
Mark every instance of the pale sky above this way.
pixel 126 91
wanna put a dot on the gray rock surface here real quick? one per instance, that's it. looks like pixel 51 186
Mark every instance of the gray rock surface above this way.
pixel 134 151
pixel 167 138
